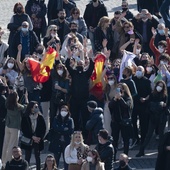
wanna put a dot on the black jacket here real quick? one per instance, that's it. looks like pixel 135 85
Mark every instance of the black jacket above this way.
pixel 33 43
pixel 39 131
pixel 40 15
pixel 60 128
pixel 17 165
pixel 100 11
pixel 106 153
pixel 80 81
pixel 95 124
pixel 127 167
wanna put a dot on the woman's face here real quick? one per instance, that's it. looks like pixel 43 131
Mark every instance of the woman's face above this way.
pixel 53 31
pixel 35 107
pixel 127 28
pixel 106 25
pixel 77 137
pixel 75 14
pixel 27 64
pixel 50 162
pixel 10 63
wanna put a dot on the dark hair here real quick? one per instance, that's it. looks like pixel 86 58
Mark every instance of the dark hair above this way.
pixel 15 7
pixel 129 70
pixel 11 102
pixel 68 115
pixel 74 9
pixel 163 43
pixel 97 158
pixel 54 162
pixel 62 9
pixel 15 64
pixel 164 56
pixel 72 23
pixel 117 12
pixel 104 134
pixel 107 87
pixel 29 107
pixel 64 75
pixel 163 93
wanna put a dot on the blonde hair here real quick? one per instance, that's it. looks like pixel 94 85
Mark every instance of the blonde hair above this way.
pixel 102 21
pixel 51 27
pixel 72 144
pixel 126 89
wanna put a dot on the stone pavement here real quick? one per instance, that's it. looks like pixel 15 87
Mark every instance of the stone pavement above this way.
pixel 147 162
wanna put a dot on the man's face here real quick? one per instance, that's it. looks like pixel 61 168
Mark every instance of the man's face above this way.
pixel 61 14
pixel 16 153
pixel 73 26
pixel 116 16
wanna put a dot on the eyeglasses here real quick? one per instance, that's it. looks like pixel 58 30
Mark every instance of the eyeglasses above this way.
pixel 124 6
pixel 110 78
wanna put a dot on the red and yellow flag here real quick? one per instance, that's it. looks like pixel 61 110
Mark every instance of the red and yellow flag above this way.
pixel 96 78
pixel 41 70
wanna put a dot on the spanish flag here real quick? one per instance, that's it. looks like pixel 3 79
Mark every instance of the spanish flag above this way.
pixel 96 78
pixel 41 70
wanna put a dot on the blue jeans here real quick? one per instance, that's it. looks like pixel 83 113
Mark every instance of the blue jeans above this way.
pixel 91 37
pixel 164 10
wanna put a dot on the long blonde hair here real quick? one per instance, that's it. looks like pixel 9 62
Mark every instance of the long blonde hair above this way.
pixel 51 27
pixel 72 144
pixel 102 21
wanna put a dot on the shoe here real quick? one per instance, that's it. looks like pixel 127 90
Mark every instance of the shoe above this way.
pixel 140 154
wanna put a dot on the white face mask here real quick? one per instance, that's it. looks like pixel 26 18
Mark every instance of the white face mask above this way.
pixel 64 113
pixel 138 51
pixel 149 69
pixel 139 74
pixel 10 65
pixel 60 72
pixel 53 35
pixel 24 29
pixel 162 62
pixel 161 50
pixel 159 89
pixel 111 82
pixel 89 158
pixel 77 143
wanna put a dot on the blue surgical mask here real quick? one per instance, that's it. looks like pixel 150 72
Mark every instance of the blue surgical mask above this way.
pixel 24 29
pixel 139 74
pixel 161 32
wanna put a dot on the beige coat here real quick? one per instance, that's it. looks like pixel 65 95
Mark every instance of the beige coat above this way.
pixel 99 166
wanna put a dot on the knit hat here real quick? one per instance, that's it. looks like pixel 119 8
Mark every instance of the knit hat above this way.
pixel 92 104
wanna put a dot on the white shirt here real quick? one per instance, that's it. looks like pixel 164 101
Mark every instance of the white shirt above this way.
pixel 70 155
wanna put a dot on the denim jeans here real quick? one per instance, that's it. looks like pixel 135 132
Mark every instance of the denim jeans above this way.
pixel 164 10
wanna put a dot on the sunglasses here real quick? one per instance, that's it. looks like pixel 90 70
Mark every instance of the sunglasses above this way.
pixel 54 30
pixel 110 78
pixel 60 67
pixel 124 6
pixel 76 13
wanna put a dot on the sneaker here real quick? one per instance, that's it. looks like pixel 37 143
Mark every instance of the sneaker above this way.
pixel 140 154
pixel 133 143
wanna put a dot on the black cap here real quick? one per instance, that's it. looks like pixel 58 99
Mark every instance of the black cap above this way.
pixel 92 104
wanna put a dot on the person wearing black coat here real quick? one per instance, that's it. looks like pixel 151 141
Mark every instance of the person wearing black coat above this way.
pixel 79 93
pixel 105 149
pixel 121 108
pixel 55 5
pixel 60 134
pixel 27 39
pixel 162 162
pixel 96 121
pixel 37 11
pixel 33 127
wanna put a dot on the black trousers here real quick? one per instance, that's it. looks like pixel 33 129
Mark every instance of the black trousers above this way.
pixel 36 154
pixel 126 135
pixel 2 133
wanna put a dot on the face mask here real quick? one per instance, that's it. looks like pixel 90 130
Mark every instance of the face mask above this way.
pixel 130 32
pixel 124 76
pixel 60 72
pixel 19 10
pixel 161 32
pixel 159 89
pixel 79 68
pixel 149 69
pixel 10 65
pixel 89 158
pixel 62 17
pixel 36 110
pixel 77 143
pixel 64 113
pixel 138 51
pixel 94 0
pixel 111 82
pixel 24 29
pixel 17 158
pixel 122 163
pixel 139 74
pixel 74 30
pixel 161 50
pixel 144 62
pixel 124 9
pixel 53 35
pixel 116 71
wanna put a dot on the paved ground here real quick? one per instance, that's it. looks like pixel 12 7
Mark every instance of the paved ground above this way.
pixel 148 161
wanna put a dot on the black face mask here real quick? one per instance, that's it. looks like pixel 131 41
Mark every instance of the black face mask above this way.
pixel 61 17
pixel 94 0
pixel 122 163
pixel 116 71
pixel 39 51
pixel 19 10
pixel 79 68
pixel 74 30
pixel 144 62
pixel 18 158
pixel 124 76
pixel 124 9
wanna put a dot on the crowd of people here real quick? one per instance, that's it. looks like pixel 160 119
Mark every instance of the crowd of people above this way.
pixel 108 75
